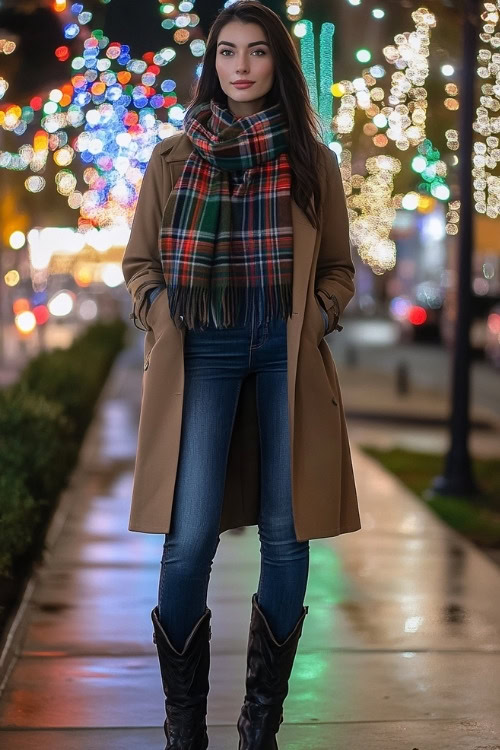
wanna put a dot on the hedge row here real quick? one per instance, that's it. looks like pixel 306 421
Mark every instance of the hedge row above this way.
pixel 43 418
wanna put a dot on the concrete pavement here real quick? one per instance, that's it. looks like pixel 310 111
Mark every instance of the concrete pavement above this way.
pixel 400 650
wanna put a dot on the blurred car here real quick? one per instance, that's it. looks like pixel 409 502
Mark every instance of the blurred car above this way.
pixel 484 322
pixel 492 344
pixel 419 316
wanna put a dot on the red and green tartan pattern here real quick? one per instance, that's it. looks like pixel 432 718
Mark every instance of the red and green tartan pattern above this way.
pixel 226 239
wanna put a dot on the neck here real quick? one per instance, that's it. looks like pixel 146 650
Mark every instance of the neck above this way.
pixel 244 109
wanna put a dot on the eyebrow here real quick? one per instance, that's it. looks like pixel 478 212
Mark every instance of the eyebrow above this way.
pixel 251 44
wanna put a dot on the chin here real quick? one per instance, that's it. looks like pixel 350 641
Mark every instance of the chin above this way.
pixel 245 94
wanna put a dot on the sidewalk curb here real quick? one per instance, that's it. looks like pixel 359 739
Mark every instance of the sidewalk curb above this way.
pixel 15 630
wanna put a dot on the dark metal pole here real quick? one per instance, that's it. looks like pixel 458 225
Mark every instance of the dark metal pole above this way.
pixel 458 478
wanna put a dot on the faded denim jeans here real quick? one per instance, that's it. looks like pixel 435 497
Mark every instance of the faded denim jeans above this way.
pixel 216 361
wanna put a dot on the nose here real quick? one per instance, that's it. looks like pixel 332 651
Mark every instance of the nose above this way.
pixel 242 67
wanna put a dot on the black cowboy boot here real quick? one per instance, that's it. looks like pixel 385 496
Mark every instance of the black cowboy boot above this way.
pixel 185 683
pixel 269 665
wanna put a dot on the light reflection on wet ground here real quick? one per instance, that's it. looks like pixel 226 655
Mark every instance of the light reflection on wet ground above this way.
pixel 401 648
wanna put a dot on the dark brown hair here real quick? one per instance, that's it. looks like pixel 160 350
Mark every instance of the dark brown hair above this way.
pixel 289 88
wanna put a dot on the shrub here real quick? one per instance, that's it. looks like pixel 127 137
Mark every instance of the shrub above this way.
pixel 73 377
pixel 36 445
pixel 42 421
pixel 18 515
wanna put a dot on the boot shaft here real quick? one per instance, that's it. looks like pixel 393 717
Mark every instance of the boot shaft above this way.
pixel 185 679
pixel 269 665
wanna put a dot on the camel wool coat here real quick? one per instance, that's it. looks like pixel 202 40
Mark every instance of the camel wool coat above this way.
pixel 323 489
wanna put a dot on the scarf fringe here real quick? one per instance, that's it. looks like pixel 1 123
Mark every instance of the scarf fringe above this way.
pixel 196 307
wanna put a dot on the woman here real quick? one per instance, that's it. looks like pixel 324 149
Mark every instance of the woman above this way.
pixel 238 265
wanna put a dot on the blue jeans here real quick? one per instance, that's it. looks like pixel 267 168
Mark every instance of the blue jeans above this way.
pixel 216 361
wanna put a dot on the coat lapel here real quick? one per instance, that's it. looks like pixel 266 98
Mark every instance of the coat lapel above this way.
pixel 304 241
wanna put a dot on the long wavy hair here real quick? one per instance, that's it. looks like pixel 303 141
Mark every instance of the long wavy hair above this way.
pixel 289 88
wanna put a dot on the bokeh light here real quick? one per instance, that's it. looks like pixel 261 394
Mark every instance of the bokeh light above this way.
pixel 17 240
pixel 61 304
pixel 25 322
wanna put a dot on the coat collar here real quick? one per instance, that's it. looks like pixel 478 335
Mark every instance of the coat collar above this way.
pixel 176 147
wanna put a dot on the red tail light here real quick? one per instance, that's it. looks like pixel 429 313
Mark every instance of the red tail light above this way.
pixel 417 315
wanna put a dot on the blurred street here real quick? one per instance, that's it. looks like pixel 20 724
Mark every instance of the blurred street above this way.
pixel 401 649
pixel 378 349
pixel 368 356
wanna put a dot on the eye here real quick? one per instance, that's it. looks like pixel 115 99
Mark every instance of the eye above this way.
pixel 229 50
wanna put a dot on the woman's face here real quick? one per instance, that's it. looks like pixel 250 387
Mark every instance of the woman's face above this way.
pixel 243 53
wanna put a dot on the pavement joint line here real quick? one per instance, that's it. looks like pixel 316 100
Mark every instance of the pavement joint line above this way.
pixel 303 651
pixel 308 724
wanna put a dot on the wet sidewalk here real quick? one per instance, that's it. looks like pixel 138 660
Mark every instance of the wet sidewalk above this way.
pixel 400 650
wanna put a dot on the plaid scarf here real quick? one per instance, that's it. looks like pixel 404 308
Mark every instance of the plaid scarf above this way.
pixel 226 235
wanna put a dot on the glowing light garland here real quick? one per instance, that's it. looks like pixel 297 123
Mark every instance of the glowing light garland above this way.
pixel 487 122
pixel 115 110
pixel 402 117
pixel 373 208
pixel 322 103
pixel 370 228
pixel 7 47
pixel 486 151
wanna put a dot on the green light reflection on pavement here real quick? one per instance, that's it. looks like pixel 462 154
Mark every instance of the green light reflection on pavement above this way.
pixel 326 579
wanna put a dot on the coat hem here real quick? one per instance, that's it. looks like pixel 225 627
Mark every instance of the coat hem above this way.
pixel 348 529
pixel 337 532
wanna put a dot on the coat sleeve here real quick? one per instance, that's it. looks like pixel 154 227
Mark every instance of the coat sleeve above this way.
pixel 141 264
pixel 335 269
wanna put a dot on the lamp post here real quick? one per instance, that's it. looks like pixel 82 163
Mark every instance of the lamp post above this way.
pixel 458 476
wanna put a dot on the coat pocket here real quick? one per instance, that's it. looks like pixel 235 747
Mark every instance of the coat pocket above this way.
pixel 152 295
pixel 141 303
pixel 323 316
pixel 157 314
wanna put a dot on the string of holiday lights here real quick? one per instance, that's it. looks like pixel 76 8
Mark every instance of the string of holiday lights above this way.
pixel 487 122
pixel 322 102
pixel 7 47
pixel 370 200
pixel 486 151
pixel 116 111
